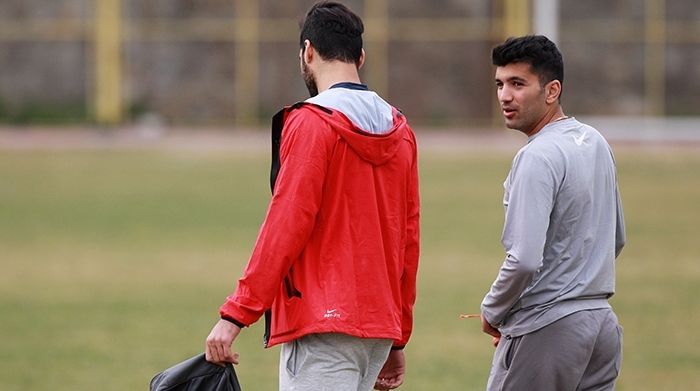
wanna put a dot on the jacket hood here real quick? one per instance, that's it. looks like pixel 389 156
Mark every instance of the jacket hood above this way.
pixel 374 148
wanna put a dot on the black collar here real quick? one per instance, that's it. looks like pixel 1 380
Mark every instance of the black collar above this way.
pixel 351 86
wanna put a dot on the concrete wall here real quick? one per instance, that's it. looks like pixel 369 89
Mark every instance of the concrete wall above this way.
pixel 50 73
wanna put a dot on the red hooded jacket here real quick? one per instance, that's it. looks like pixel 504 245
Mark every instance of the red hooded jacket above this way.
pixel 338 250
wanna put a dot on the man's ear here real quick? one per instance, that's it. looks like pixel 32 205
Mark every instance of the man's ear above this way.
pixel 361 61
pixel 308 53
pixel 553 90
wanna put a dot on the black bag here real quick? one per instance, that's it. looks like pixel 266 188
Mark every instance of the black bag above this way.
pixel 196 374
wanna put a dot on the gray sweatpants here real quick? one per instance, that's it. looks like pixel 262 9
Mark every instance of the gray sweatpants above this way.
pixel 332 362
pixel 582 351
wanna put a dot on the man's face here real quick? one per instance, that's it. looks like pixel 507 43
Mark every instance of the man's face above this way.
pixel 307 74
pixel 521 97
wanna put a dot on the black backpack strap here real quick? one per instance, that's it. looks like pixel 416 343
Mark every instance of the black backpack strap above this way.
pixel 277 126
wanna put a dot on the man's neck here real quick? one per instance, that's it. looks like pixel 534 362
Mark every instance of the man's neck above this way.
pixel 334 72
pixel 550 116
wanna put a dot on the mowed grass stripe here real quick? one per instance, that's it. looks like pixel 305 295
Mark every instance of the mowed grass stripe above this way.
pixel 113 264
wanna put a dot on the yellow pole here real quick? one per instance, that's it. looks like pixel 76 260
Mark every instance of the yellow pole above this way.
pixel 516 18
pixel 377 45
pixel 655 58
pixel 247 62
pixel 515 21
pixel 108 96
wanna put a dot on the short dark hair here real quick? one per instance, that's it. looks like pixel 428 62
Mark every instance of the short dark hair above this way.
pixel 537 50
pixel 334 31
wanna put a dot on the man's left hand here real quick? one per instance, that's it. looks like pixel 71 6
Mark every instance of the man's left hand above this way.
pixel 392 374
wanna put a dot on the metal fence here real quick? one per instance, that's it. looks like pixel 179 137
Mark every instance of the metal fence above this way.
pixel 431 57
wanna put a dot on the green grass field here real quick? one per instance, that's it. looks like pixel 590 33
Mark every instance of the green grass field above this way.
pixel 113 264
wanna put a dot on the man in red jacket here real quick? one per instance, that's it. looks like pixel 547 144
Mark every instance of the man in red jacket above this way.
pixel 334 266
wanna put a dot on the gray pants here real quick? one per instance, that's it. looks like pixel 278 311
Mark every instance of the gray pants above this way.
pixel 332 362
pixel 582 351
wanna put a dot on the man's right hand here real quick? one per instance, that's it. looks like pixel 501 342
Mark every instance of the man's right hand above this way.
pixel 219 342
pixel 490 330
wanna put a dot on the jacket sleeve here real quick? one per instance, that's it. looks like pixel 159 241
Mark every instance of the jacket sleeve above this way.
pixel 620 236
pixel 411 254
pixel 530 200
pixel 290 218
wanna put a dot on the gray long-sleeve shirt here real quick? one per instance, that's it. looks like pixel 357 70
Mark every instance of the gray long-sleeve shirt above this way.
pixel 563 230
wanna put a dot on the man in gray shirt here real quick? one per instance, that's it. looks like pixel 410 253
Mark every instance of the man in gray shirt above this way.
pixel 548 309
